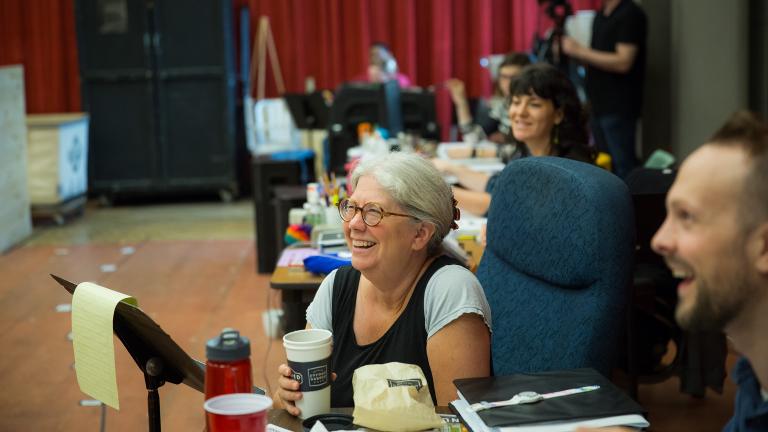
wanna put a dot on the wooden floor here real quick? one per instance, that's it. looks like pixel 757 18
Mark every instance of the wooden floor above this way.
pixel 192 269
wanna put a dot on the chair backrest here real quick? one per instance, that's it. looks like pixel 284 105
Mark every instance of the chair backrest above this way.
pixel 557 267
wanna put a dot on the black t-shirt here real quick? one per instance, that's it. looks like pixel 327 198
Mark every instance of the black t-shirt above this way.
pixel 611 92
pixel 405 341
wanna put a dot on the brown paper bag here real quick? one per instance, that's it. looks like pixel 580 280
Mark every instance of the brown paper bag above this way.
pixel 393 397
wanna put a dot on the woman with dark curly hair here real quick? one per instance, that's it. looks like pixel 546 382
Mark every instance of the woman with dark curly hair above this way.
pixel 547 120
pixel 546 115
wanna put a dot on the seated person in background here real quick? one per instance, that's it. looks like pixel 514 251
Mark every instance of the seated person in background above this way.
pixel 547 120
pixel 402 299
pixel 495 124
pixel 382 66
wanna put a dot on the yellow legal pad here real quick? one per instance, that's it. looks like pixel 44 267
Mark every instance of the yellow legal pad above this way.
pixel 93 311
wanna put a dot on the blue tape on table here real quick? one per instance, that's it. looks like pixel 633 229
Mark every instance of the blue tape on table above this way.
pixel 324 264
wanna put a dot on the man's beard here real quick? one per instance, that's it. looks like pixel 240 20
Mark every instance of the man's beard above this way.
pixel 716 304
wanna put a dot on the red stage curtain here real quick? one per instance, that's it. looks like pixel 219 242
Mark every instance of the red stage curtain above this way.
pixel 433 40
pixel 40 34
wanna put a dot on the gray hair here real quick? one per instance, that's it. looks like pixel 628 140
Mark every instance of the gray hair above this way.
pixel 417 186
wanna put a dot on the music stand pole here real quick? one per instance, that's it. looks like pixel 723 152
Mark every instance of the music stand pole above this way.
pixel 152 377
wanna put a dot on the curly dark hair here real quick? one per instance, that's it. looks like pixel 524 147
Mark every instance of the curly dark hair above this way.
pixel 549 83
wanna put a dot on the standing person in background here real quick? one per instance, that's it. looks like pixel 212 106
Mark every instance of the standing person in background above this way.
pixel 495 123
pixel 382 66
pixel 615 76
pixel 715 239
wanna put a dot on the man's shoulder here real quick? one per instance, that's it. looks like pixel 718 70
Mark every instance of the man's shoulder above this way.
pixel 742 371
pixel 750 409
pixel 632 9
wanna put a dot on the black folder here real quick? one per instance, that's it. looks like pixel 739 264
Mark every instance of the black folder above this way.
pixel 607 401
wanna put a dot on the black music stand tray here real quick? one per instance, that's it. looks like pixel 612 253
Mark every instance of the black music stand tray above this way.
pixel 160 359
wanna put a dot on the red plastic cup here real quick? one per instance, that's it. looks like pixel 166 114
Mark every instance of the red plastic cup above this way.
pixel 237 412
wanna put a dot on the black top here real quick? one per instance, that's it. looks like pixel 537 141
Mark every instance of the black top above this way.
pixel 611 92
pixel 405 341
pixel 577 152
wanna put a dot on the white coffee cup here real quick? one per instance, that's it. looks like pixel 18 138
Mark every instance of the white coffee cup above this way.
pixel 309 356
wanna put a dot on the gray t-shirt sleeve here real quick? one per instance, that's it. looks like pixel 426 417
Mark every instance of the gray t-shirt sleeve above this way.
pixel 452 292
pixel 319 311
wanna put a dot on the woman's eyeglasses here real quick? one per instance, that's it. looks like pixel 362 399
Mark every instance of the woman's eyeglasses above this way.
pixel 372 212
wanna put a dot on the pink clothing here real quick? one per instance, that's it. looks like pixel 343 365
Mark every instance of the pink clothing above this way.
pixel 402 79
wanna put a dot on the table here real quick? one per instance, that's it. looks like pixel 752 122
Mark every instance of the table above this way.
pixel 298 286
pixel 280 417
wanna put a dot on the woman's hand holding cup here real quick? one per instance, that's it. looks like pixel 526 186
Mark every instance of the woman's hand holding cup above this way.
pixel 289 393
pixel 288 390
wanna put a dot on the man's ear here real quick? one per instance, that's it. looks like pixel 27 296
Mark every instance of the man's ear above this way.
pixel 424 233
pixel 758 248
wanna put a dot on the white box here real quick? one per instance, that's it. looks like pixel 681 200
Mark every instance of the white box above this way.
pixel 57 155
pixel 15 221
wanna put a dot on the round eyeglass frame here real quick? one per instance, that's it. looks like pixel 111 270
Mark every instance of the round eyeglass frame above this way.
pixel 365 211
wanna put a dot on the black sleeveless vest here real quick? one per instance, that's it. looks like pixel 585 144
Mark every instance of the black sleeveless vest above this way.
pixel 405 341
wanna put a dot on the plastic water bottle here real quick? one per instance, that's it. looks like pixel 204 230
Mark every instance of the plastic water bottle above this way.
pixel 228 364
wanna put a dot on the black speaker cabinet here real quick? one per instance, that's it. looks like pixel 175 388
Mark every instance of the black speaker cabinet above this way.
pixel 158 80
pixel 268 174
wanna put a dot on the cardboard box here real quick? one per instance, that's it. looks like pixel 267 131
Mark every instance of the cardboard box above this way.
pixel 57 155
pixel 15 221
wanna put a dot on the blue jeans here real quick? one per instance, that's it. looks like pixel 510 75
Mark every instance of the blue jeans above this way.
pixel 615 134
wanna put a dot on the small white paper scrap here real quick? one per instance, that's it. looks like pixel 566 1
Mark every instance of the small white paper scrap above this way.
pixel 64 307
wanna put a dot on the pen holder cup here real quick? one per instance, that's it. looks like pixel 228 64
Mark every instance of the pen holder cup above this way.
pixel 332 216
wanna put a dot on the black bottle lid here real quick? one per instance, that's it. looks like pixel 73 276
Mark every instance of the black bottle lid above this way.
pixel 228 346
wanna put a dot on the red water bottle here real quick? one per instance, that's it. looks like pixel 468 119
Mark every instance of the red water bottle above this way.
pixel 228 365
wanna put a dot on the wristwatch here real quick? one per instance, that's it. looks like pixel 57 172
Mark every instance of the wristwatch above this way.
pixel 528 397
pixel 466 128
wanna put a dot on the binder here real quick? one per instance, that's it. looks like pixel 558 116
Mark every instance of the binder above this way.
pixel 557 413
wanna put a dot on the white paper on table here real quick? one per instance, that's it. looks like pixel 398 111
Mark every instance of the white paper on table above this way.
pixel 93 310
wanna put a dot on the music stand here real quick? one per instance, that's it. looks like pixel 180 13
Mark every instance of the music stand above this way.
pixel 308 110
pixel 160 359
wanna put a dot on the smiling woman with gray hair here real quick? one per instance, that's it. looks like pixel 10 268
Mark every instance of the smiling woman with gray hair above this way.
pixel 402 299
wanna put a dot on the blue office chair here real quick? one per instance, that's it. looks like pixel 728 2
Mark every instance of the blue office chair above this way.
pixel 558 265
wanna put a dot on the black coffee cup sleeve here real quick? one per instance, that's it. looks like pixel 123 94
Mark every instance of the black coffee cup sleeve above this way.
pixel 311 376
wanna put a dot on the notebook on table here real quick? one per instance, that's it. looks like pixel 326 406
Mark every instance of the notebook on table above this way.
pixel 606 405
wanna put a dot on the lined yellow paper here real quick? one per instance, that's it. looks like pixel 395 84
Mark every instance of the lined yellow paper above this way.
pixel 93 309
